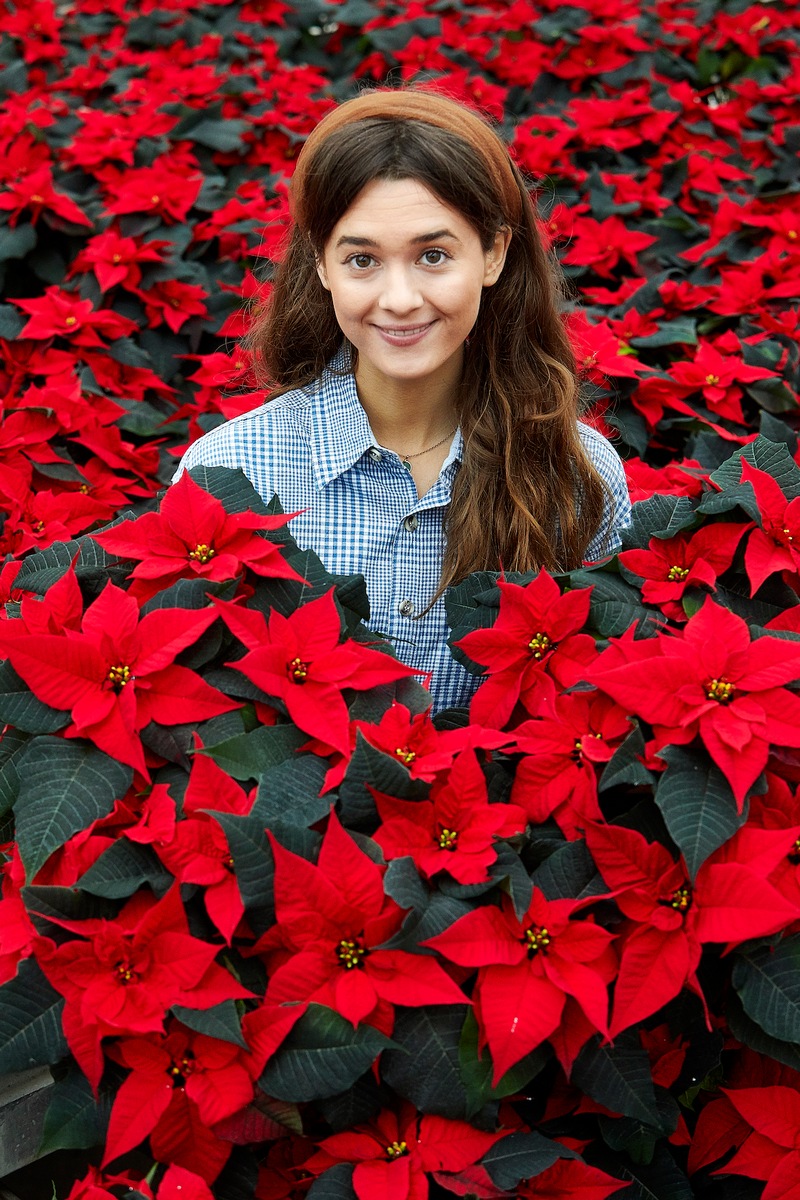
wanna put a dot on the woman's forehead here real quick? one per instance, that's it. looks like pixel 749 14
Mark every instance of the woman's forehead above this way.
pixel 399 210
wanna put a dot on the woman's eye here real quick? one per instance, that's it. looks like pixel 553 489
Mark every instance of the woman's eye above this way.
pixel 434 258
pixel 361 261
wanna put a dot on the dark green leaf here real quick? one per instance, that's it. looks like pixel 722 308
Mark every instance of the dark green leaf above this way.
pixel 75 1120
pixel 221 1021
pixel 16 243
pixel 766 456
pixel 122 869
pixel 233 488
pixel 768 982
pixel 425 1066
pixel 334 1184
pixel 749 1034
pixel 252 857
pixel 291 791
pixel 662 1179
pixel 618 1077
pixel 614 605
pixel 476 1071
pixel 697 804
pixel 248 755
pixel 41 570
pixel 369 765
pixel 30 1021
pixel 64 787
pixel 20 708
pixel 322 1056
pixel 657 516
pixel 522 1156
pixel 403 884
pixel 566 873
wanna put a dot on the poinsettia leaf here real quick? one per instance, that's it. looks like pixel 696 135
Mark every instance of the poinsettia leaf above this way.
pixel 766 456
pixel 13 744
pixel 322 1056
pixel 472 604
pixel 509 872
pixel 682 331
pixel 247 755
pixel 232 487
pixel 767 979
pixel 439 914
pixel 30 1021
pixel 618 1077
pixel 386 774
pixel 614 606
pixel 64 787
pixel 239 1177
pixel 20 708
pixel 778 431
pixel 221 1021
pixel 750 1034
pixel 122 869
pixel 252 857
pixel 636 1138
pixel 75 1118
pixel 403 884
pixel 291 791
pixel 190 593
pixel 41 570
pixel 661 1179
pixel 334 1184
pixel 771 395
pixel 568 873
pixel 476 1071
pixel 625 765
pixel 522 1156
pixel 657 516
pixel 697 803
pixel 425 1066
pixel 740 496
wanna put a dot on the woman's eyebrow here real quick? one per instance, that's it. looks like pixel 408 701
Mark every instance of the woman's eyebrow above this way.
pixel 436 236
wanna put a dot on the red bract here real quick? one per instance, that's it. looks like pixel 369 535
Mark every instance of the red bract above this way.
pixel 603 245
pixel 710 681
pixel 557 777
pixel 395 1152
pixel 127 973
pixel 419 745
pixel 671 565
pixel 717 377
pixel 532 646
pixel 771 1151
pixel 301 661
pixel 117 672
pixel 672 917
pixel 528 969
pixel 333 919
pixel 772 547
pixel 37 194
pixel 570 1179
pixel 193 535
pixel 455 830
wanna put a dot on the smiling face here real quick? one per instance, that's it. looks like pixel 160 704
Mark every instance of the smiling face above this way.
pixel 405 272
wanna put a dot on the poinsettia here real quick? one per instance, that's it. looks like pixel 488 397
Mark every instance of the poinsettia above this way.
pixel 328 945
pixel 528 967
pixel 710 680
pixel 192 535
pixel 395 1153
pixel 533 645
pixel 771 548
pixel 455 830
pixel 117 671
pixel 688 560
pixel 302 661
pixel 672 916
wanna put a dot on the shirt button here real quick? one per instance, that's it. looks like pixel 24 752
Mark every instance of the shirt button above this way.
pixel 411 523
pixel 375 454
pixel 405 608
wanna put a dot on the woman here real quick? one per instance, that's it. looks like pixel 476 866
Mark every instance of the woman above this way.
pixel 425 413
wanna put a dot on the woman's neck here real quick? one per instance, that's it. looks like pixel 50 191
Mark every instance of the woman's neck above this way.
pixel 407 415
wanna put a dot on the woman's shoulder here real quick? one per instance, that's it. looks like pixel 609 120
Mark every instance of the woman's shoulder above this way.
pixel 602 453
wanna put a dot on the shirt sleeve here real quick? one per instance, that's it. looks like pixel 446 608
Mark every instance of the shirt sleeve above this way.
pixel 617 514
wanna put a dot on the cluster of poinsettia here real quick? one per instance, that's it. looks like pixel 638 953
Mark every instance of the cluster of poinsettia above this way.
pixel 273 928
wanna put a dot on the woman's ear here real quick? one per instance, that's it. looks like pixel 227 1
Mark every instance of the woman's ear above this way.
pixel 495 257
pixel 323 274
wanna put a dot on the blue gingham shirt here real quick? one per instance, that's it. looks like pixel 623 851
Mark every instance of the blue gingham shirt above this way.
pixel 361 514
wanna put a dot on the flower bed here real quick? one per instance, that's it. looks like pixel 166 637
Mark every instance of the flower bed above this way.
pixel 276 932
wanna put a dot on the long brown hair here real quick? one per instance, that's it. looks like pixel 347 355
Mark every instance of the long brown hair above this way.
pixel 527 495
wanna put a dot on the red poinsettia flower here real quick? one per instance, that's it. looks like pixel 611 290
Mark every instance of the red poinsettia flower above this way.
pixel 121 976
pixel 603 245
pixel 710 680
pixel 455 830
pixel 671 917
pixel 558 777
pixel 394 1153
pixel 193 535
pixel 301 661
pixel 772 547
pixel 117 672
pixel 717 377
pixel 36 194
pixel 332 922
pixel 528 967
pixel 570 1179
pixel 533 645
pixel 180 1085
pixel 671 565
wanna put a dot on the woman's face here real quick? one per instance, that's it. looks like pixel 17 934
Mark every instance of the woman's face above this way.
pixel 405 273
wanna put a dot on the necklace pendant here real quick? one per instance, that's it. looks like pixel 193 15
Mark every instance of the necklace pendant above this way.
pixel 407 464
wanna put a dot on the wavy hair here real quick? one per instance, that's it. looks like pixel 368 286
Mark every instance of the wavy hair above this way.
pixel 527 495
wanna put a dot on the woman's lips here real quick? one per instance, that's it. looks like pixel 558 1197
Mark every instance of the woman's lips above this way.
pixel 403 335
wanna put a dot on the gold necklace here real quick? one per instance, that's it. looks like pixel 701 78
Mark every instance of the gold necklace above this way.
pixel 405 457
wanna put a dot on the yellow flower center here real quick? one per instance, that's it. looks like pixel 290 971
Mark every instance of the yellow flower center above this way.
pixel 396 1150
pixel 720 690
pixel 126 973
pixel 70 320
pixel 787 534
pixel 37 199
pixel 350 953
pixel 202 553
pixel 712 379
pixel 677 573
pixel 681 899
pixel 794 853
pixel 405 755
pixel 115 258
pixel 154 199
pixel 298 670
pixel 539 645
pixel 448 839
pixel 536 938
pixel 119 676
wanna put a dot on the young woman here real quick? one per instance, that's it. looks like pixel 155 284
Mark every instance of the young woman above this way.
pixel 425 412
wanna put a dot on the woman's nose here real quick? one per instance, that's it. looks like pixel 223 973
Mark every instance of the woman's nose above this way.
pixel 399 293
